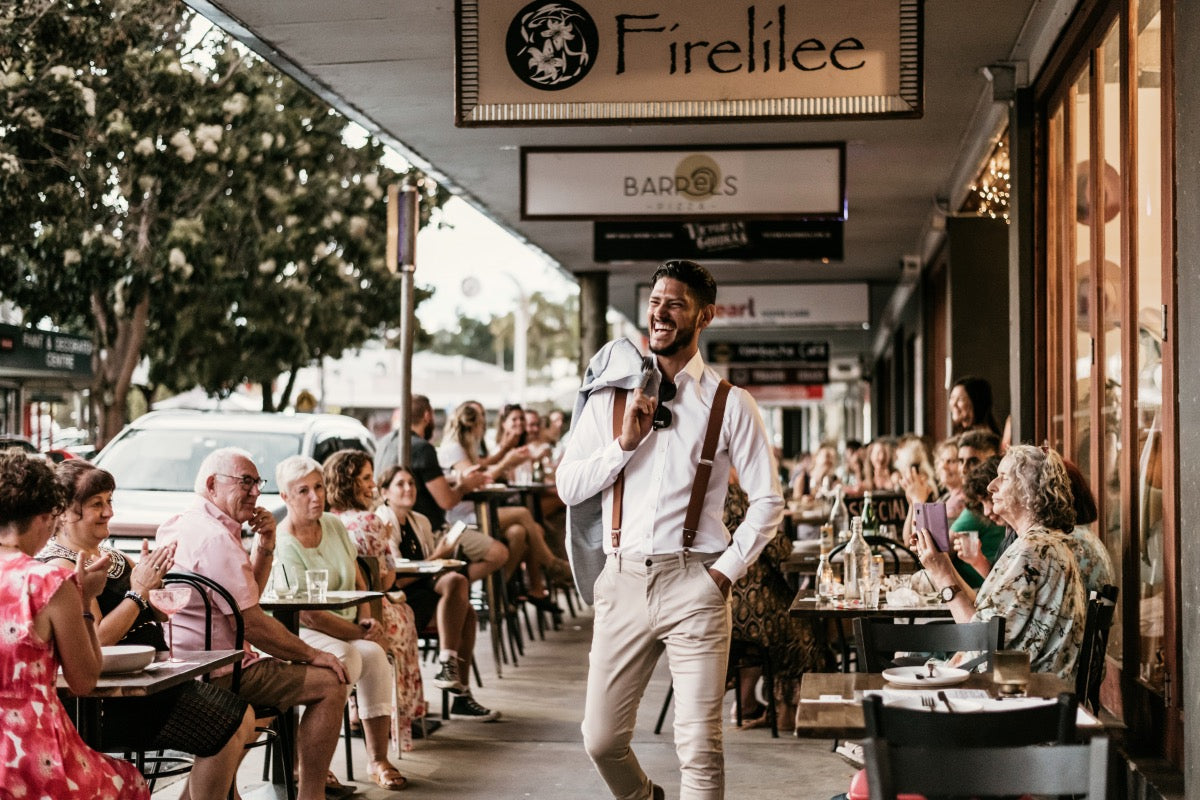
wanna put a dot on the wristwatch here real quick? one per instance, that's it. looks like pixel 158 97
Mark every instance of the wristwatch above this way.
pixel 137 598
pixel 947 593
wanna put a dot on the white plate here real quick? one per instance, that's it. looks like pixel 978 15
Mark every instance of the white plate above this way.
pixel 918 676
pixel 914 703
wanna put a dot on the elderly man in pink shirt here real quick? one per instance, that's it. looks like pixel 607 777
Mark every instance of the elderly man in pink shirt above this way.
pixel 208 539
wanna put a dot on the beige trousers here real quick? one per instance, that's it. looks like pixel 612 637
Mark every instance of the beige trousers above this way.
pixel 646 605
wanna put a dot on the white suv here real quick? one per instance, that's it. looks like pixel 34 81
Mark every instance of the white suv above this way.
pixel 155 458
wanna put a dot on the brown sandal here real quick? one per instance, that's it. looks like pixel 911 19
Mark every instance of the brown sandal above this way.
pixel 387 777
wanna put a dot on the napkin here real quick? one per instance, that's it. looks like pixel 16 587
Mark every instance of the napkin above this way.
pixel 902 597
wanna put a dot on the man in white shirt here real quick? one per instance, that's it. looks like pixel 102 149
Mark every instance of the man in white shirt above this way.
pixel 657 593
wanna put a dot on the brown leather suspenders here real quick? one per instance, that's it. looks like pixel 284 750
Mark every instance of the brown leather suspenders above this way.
pixel 703 470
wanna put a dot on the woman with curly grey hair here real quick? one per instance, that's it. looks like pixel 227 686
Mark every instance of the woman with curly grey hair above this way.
pixel 1035 584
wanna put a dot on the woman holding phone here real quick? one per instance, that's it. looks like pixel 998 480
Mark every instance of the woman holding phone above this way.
pixel 1035 584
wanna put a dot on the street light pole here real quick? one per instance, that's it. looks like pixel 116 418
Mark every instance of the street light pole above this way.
pixel 403 221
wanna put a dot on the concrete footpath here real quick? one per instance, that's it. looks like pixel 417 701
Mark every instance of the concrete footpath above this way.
pixel 535 750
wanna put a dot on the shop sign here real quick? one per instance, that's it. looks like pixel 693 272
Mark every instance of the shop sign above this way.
pixel 560 62
pixel 814 353
pixel 744 240
pixel 36 353
pixel 765 305
pixel 765 181
pixel 772 376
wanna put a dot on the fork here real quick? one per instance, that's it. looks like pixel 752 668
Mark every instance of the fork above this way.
pixel 928 702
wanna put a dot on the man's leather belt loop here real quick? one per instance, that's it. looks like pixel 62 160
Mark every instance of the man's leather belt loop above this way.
pixel 703 469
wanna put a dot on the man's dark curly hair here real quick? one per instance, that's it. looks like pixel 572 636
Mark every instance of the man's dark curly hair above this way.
pixel 27 488
pixel 975 483
pixel 696 278
pixel 339 472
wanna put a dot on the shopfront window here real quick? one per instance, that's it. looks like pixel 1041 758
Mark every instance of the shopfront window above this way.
pixel 1108 256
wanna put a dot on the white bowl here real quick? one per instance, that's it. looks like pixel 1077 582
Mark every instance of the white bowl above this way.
pixel 120 658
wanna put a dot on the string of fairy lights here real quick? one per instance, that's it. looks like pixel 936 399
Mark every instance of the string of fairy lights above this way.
pixel 990 192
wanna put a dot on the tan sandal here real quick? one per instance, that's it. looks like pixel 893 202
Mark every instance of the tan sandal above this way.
pixel 387 777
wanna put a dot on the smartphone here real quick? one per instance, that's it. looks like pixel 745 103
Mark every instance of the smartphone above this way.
pixel 456 530
pixel 932 517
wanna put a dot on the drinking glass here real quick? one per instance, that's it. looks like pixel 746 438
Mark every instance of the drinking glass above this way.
pixel 318 584
pixel 1010 671
pixel 170 600
pixel 888 531
pixel 868 592
pixel 970 543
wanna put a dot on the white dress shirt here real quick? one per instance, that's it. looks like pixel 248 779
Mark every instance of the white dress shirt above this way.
pixel 660 471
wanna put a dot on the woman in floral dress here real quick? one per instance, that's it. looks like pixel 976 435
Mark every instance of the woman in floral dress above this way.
pixel 43 624
pixel 350 491
pixel 1035 584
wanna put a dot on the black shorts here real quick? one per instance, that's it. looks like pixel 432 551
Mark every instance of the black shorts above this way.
pixel 422 598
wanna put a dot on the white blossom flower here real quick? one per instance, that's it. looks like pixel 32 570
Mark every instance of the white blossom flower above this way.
pixel 303 149
pixel 320 251
pixel 267 140
pixel 242 153
pixel 10 79
pixel 291 220
pixel 332 218
pixel 236 104
pixel 71 257
pixel 61 72
pixel 144 146
pixel 9 163
pixel 280 140
pixel 273 194
pixel 267 267
pixel 183 146
pixel 176 258
pixel 371 181
pixel 174 69
pixel 358 227
pixel 208 136
pixel 146 183
pixel 89 100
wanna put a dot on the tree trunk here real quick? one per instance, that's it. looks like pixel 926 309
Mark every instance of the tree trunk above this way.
pixel 268 403
pixel 117 355
pixel 286 397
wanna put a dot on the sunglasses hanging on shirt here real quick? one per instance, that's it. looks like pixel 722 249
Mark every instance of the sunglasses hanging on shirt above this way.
pixel 662 414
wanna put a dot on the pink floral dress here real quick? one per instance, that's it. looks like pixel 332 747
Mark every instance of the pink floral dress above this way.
pixel 41 754
pixel 371 537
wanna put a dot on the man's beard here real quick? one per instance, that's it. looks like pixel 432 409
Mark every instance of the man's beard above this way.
pixel 683 338
pixel 427 434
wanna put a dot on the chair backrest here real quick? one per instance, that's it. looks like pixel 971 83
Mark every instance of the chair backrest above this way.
pixel 889 548
pixel 951 770
pixel 199 584
pixel 370 566
pixel 879 639
pixel 1040 724
pixel 1089 667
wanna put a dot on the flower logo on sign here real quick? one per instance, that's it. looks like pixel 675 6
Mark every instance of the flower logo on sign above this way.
pixel 698 176
pixel 552 45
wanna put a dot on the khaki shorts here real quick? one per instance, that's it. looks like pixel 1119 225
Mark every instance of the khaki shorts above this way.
pixel 269 682
pixel 473 544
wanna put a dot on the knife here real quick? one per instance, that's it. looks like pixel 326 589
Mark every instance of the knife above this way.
pixel 942 696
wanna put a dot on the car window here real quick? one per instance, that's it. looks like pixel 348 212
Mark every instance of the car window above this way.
pixel 167 460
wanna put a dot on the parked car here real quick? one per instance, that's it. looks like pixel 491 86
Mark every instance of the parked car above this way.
pixel 155 459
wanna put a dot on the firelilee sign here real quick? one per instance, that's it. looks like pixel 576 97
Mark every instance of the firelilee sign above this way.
pixel 761 305
pixel 767 180
pixel 563 61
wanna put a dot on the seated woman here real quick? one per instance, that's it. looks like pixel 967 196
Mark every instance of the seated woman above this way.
pixel 878 475
pixel 978 516
pixel 309 538
pixel 1035 584
pixel 948 468
pixel 1094 563
pixel 194 717
pixel 526 539
pixel 447 595
pixel 45 614
pixel 820 474
pixel 349 478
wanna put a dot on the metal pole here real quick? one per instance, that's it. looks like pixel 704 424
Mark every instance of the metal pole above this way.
pixel 403 221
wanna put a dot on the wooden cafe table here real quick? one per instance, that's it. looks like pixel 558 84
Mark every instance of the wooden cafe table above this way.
pixel 160 675
pixel 831 705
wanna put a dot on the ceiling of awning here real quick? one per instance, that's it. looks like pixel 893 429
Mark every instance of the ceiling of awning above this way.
pixel 389 65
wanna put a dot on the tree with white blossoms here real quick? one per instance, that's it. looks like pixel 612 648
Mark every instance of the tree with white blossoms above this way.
pixel 182 201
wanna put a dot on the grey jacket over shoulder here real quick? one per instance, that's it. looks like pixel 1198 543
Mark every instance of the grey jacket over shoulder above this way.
pixel 617 365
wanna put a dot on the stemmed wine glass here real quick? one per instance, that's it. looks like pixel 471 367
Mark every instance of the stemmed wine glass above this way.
pixel 170 600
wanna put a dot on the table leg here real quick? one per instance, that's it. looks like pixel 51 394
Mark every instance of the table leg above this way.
pixel 494 586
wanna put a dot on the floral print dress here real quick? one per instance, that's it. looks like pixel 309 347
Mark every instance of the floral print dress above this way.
pixel 371 536
pixel 1036 586
pixel 41 754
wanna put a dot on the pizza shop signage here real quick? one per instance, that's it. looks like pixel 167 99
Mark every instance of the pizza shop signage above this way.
pixel 570 61
pixel 765 305
pixel 759 181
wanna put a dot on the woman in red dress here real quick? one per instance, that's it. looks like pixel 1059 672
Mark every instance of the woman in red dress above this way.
pixel 42 625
